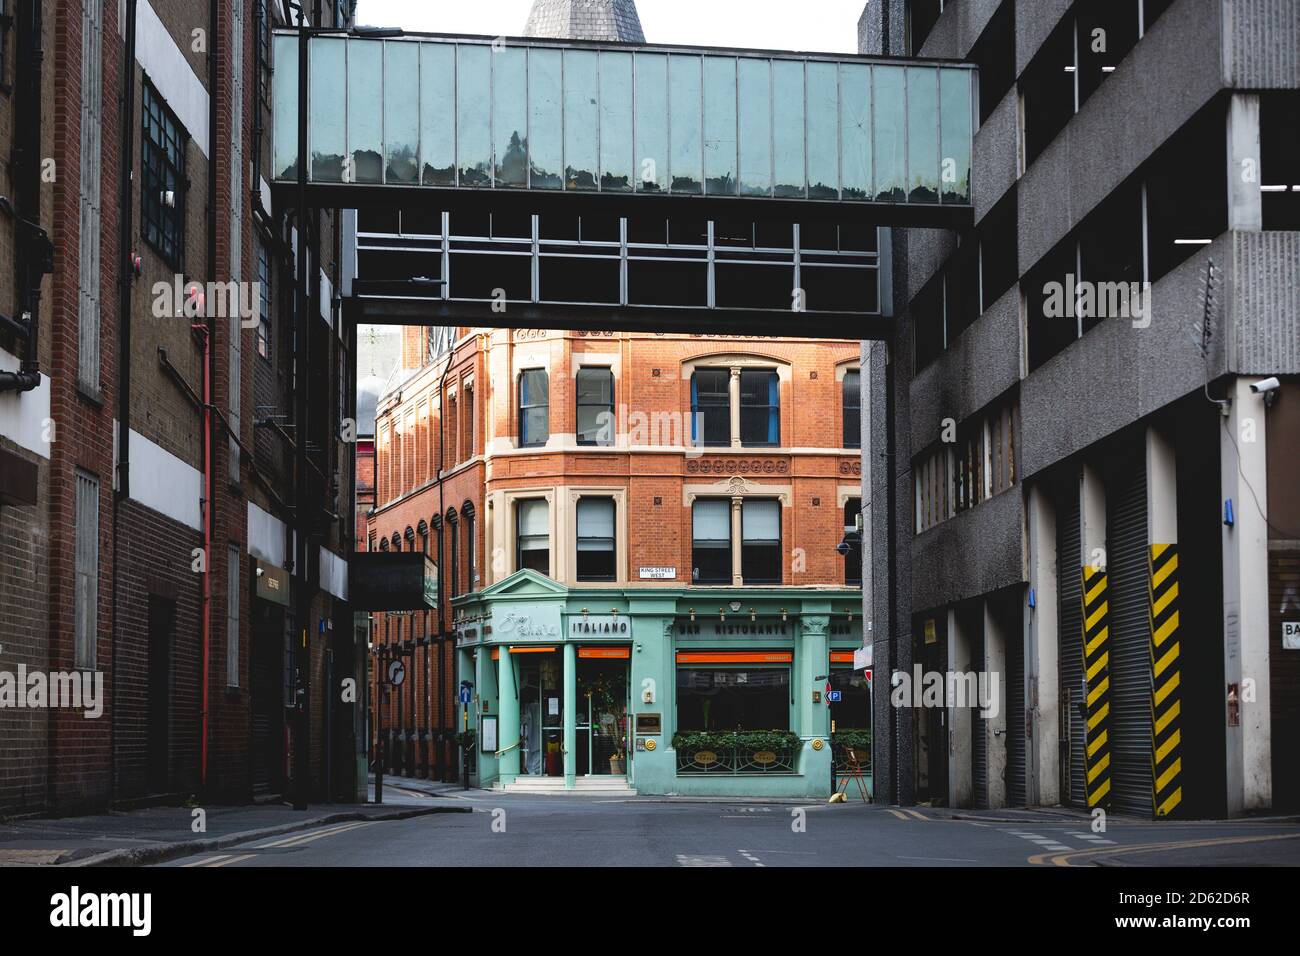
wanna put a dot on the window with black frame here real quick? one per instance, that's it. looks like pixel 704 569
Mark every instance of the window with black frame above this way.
pixel 595 388
pixel 533 535
pixel 467 513
pixel 852 392
pixel 711 407
pixel 534 408
pixel 853 536
pixel 163 186
pixel 760 408
pixel 720 700
pixel 760 546
pixel 596 555
pixel 453 582
pixel 265 299
pixel 711 541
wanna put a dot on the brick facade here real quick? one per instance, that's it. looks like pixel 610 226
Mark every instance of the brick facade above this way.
pixel 652 468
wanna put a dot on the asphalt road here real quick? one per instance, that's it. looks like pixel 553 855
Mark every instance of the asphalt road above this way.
pixel 525 830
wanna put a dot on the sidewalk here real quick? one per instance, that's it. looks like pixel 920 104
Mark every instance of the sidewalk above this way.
pixel 161 833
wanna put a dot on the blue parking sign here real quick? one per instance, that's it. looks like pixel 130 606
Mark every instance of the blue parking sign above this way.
pixel 834 696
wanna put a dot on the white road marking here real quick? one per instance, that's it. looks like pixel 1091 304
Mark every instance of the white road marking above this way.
pixel 751 858
pixel 684 859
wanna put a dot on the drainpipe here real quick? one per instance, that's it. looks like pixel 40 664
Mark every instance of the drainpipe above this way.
pixel 440 767
pixel 209 337
pixel 34 253
pixel 126 275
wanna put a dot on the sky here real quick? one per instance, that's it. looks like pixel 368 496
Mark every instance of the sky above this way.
pixel 823 26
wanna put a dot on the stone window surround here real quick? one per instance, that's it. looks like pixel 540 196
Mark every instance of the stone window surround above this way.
pixel 737 362
pixel 737 490
pixel 562 501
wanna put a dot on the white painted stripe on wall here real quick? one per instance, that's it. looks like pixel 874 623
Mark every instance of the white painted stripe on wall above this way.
pixel 23 414
pixel 333 574
pixel 266 543
pixel 161 481
pixel 159 56
pixel 265 536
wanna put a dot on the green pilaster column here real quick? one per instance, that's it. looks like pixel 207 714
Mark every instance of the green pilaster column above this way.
pixel 509 732
pixel 815 718
pixel 814 661
pixel 570 715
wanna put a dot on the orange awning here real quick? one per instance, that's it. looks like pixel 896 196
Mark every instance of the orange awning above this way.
pixel 532 650
pixel 606 653
pixel 734 657
pixel 841 657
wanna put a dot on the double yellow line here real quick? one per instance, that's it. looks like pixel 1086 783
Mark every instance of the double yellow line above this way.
pixel 905 814
pixel 1065 859
pixel 297 840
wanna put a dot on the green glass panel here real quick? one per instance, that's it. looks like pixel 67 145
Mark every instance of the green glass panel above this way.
pixel 438 114
pixel 788 128
pixel 545 119
pixel 328 67
pixel 473 126
pixel 922 134
pixel 401 113
pixel 890 128
pixel 855 131
pixel 720 126
pixel 686 123
pixel 284 102
pixel 651 122
pixel 365 120
pixel 616 167
pixel 581 118
pixel 754 106
pixel 823 131
pixel 510 116
pixel 955 135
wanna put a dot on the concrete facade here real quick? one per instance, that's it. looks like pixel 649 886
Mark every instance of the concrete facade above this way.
pixel 1085 403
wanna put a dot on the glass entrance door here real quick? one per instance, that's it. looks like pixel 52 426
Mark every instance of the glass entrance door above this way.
pixel 603 717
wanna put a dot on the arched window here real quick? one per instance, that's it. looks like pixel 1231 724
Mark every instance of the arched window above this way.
pixel 453 579
pixel 852 403
pixel 471 546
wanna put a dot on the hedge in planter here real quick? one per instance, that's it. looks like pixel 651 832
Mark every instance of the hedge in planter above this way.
pixel 745 740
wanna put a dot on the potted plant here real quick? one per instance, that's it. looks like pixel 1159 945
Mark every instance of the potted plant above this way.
pixel 618 762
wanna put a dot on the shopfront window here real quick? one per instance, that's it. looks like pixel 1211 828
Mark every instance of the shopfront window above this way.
pixel 711 550
pixel 596 558
pixel 723 700
pixel 534 535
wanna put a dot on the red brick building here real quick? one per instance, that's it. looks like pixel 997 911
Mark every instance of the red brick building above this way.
pixel 146 434
pixel 605 460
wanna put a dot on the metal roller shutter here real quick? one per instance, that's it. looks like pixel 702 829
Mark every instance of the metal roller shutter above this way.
pixel 979 741
pixel 1130 638
pixel 1069 585
pixel 1016 742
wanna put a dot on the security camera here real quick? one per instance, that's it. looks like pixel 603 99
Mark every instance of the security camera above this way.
pixel 260 572
pixel 1265 385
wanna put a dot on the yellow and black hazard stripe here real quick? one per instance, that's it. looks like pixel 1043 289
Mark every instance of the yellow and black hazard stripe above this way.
pixel 1166 698
pixel 1096 671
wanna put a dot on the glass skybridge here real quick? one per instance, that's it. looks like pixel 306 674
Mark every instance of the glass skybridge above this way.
pixel 545 119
